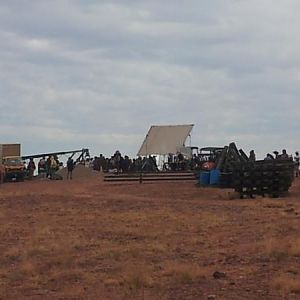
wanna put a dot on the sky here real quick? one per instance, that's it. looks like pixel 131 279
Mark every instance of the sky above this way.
pixel 97 74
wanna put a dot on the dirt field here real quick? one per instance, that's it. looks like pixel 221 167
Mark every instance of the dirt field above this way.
pixel 86 239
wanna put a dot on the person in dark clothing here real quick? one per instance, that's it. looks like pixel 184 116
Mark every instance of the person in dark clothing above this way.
pixel 297 163
pixel 276 153
pixel 96 164
pixel 42 166
pixel 31 167
pixel 284 155
pixel 139 164
pixel 153 163
pixel 117 157
pixel 102 162
pixel 48 165
pixel 269 157
pixel 125 164
pixel 252 156
pixel 70 167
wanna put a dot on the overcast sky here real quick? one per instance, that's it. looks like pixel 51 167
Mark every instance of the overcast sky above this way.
pixel 98 74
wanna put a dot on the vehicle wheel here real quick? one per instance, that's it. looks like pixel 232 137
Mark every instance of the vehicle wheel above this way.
pixel 21 178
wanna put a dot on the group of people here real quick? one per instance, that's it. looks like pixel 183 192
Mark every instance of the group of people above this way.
pixel 120 163
pixel 277 155
pixel 176 162
pixel 284 155
pixel 46 167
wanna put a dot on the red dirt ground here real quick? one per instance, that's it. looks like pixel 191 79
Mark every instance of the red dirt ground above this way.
pixel 87 239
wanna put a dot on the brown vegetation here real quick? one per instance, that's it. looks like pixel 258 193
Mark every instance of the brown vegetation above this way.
pixel 86 239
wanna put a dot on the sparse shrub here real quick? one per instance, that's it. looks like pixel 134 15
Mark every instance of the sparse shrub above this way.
pixel 185 277
pixel 13 254
pixel 17 275
pixel 35 252
pixel 287 284
pixel 186 273
pixel 136 277
pixel 276 249
pixel 282 249
pixel 112 282
pixel 295 248
pixel 136 282
pixel 279 255
pixel 115 255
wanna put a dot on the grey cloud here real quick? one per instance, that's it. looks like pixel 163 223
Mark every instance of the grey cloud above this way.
pixel 99 73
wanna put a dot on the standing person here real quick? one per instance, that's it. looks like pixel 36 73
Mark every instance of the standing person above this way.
pixel 31 167
pixel 91 164
pixel 53 167
pixel 269 157
pixel 48 165
pixel 297 162
pixel 284 155
pixel 42 166
pixel 102 162
pixel 70 167
pixel 252 156
pixel 87 162
pixel 95 163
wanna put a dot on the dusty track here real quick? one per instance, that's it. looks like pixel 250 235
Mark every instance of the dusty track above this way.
pixel 93 240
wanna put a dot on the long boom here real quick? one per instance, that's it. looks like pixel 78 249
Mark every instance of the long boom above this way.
pixel 73 152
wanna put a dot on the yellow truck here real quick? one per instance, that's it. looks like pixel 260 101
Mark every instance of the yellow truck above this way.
pixel 13 168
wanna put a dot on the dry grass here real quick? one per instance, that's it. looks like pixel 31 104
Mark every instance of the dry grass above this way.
pixel 182 273
pixel 282 249
pixel 16 275
pixel 137 280
pixel 287 284
pixel 295 247
pixel 12 254
pixel 141 241
pixel 272 204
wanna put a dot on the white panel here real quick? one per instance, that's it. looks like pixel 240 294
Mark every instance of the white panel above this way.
pixel 165 139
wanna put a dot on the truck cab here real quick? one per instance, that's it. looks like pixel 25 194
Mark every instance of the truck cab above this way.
pixel 14 169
